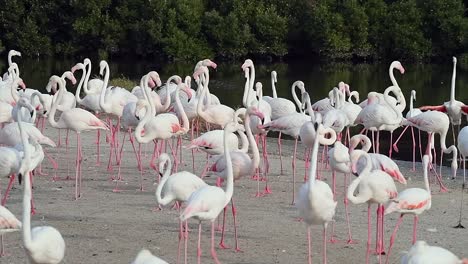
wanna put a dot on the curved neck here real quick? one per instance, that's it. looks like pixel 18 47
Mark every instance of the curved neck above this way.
pixel 355 140
pixel 180 108
pixel 55 103
pixel 392 76
pixel 256 155
pixel 229 170
pixel 355 183
pixel 106 106
pixel 273 86
pixel 452 87
pixel 252 78
pixel 387 99
pixel 167 172
pixel 142 123
pixel 296 99
pixel 426 180
pixel 354 94
pixel 88 73
pixel 14 92
pixel 411 103
pixel 245 98
pixel 201 101
pixel 244 142
pixel 80 84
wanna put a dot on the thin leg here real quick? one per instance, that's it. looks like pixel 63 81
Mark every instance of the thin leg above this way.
pixel 377 148
pixel 10 184
pixel 309 246
pixel 234 216
pixel 395 147
pixel 346 202
pixel 368 233
pixel 213 250
pixel 185 242
pixel 390 149
pixel 199 251
pixel 414 149
pixel 325 243
pixel 77 164
pixel 98 147
pixel 280 154
pixel 415 228
pixel 392 238
pixel 294 173
pixel 221 243
pixel 373 142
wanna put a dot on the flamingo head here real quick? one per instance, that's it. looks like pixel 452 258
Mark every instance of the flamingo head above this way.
pixel 247 63
pixel 354 157
pixel 78 66
pixel 454 59
pixel 274 76
pixel 102 65
pixel 253 110
pixel 399 67
pixel 14 53
pixel 21 84
pixel 86 61
pixel 247 72
pixel 188 81
pixel 162 161
pixel 69 75
pixel 154 80
pixel 209 63
pixel 230 127
pixel 184 87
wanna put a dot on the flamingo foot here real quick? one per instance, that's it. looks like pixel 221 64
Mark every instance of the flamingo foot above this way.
pixel 263 178
pixel 379 252
pixel 223 246
pixel 258 194
pixel 218 228
pixel 267 190
pixel 395 148
pixel 333 240
pixel 443 189
pixel 157 209
pixel 33 211
pixel 299 219
pixel 115 190
pixel 351 242
pixel 238 250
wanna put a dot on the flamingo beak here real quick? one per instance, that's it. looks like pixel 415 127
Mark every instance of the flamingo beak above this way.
pixel 188 92
pixel 73 80
pixel 214 65
pixel 402 70
pixel 23 85
pixel 353 168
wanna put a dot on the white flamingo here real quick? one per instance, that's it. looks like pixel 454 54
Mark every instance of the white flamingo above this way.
pixel 422 253
pixel 145 257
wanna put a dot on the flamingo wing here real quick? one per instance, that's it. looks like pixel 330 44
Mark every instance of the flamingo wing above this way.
pixel 440 108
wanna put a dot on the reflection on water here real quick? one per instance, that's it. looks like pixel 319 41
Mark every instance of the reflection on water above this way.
pixel 431 81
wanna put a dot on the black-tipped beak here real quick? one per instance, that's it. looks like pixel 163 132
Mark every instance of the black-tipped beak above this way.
pixel 31 113
pixel 45 112
pixel 137 117
pixel 20 178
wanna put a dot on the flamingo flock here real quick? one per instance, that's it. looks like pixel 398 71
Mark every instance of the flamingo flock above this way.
pixel 233 143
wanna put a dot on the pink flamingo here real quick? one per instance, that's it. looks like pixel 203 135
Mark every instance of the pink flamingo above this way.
pixel 76 119
pixel 435 122
pixel 422 253
pixel 453 107
pixel 383 116
pixel 290 125
pixel 410 201
pixel 315 201
pixel 207 202
pixel 374 186
pixel 43 244
pixel 412 112
pixel 324 105
pixel 176 187
pixel 336 118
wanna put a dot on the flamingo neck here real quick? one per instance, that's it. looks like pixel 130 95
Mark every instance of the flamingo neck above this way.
pixel 313 167
pixel 296 99
pixel 244 142
pixel 80 84
pixel 88 73
pixel 201 100
pixel 273 87
pixel 55 103
pixel 14 92
pixel 180 108
pixel 106 106
pixel 392 76
pixel 245 97
pixel 452 86
pixel 426 180
pixel 229 170
pixel 252 81
pixel 392 106
pixel 164 201
pixel 256 155
pixel 141 125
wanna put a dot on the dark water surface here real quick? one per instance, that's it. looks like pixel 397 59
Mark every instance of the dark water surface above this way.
pixel 431 81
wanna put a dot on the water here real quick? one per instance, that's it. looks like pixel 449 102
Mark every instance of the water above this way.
pixel 431 81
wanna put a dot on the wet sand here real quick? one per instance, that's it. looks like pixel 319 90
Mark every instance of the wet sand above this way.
pixel 111 227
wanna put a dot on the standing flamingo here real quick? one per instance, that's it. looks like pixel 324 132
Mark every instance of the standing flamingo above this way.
pixel 410 201
pixel 43 244
pixel 78 120
pixel 463 148
pixel 422 253
pixel 315 201
pixel 175 187
pixel 145 257
pixel 206 203
pixel 453 108
pixel 290 125
pixel 373 187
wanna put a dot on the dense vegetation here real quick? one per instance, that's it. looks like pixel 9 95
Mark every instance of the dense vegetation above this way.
pixel 229 29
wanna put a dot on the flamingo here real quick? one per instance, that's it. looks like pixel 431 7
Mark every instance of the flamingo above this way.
pixel 290 125
pixel 410 201
pixel 453 108
pixel 176 187
pixel 76 119
pixel 385 116
pixel 374 187
pixel 8 223
pixel 336 118
pixel 206 203
pixel 422 253
pixel 315 201
pixel 214 114
pixel 435 122
pixel 324 105
pixel 411 113
pixel 145 257
pixel 43 244
pixel 279 106
pixel 463 148
pixel 157 100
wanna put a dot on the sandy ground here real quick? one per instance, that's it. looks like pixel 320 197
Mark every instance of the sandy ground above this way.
pixel 108 227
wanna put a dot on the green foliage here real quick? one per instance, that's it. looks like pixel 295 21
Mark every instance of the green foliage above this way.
pixel 123 82
pixel 233 29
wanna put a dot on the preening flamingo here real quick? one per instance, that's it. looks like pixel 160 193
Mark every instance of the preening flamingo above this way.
pixel 145 257
pixel 410 201
pixel 76 119
pixel 206 203
pixel 43 244
pixel 422 253
pixel 374 186
pixel 315 201
pixel 176 187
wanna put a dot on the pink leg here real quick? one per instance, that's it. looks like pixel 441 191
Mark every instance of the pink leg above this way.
pixel 98 146
pixel 415 228
pixel 368 233
pixel 325 244
pixel 309 246
pixel 234 216
pixel 373 142
pixel 59 138
pixel 185 242
pixel 280 154
pixel 266 170
pixel 33 208
pixel 334 184
pixel 199 251
pixel 257 176
pixel 307 164
pixel 392 238
pixel 77 165
pixel 377 147
pixel 346 202
pixel 10 184
pixel 395 147
pixel 390 149
pixel 294 173
pixel 174 156
pixel 213 250
pixel 138 158
pixel 414 149
pixel 221 243
pixel 181 236
pixel 119 164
